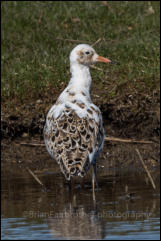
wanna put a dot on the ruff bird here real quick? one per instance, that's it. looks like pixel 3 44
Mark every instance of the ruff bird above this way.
pixel 74 133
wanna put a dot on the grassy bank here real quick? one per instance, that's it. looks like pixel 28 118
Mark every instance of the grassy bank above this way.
pixel 35 52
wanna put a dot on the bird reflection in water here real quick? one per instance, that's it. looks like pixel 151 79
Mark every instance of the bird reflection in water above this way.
pixel 76 222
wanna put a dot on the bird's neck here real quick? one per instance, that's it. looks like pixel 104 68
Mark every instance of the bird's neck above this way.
pixel 80 77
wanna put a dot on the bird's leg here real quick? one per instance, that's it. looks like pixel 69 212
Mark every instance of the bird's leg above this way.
pixel 74 201
pixel 94 175
pixel 94 180
pixel 93 187
pixel 72 184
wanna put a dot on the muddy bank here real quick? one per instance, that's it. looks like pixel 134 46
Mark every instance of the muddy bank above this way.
pixel 128 116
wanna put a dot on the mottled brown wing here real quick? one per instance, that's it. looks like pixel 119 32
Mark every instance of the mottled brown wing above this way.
pixel 73 142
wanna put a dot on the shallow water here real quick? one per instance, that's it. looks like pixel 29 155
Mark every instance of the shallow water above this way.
pixel 32 213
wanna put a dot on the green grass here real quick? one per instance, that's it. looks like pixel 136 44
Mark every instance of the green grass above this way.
pixel 34 60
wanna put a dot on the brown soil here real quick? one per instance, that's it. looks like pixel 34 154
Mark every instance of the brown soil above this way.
pixel 125 116
pixel 134 116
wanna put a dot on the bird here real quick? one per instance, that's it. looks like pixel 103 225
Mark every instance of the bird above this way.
pixel 73 132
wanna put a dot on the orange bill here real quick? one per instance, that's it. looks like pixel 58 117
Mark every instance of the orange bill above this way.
pixel 102 59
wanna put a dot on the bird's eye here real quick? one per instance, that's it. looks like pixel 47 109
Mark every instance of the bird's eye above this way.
pixel 87 52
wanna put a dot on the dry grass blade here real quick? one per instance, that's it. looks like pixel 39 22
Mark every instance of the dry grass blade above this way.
pixel 98 40
pixel 31 144
pixel 34 176
pixel 127 140
pixel 94 67
pixel 146 169
pixel 115 139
